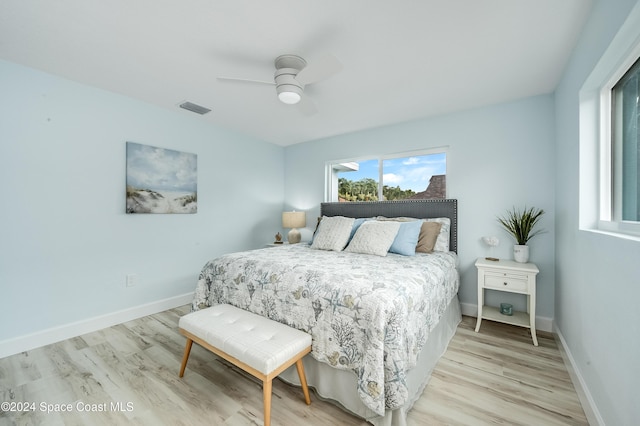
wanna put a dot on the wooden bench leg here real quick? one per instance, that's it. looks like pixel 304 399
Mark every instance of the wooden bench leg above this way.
pixel 266 390
pixel 185 357
pixel 303 381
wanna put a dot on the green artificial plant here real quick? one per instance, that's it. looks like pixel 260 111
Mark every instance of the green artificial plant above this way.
pixel 520 224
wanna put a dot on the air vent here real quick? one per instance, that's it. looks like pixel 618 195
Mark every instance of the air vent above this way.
pixel 195 108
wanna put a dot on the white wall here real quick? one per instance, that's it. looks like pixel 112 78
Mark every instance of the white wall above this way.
pixel 66 244
pixel 498 157
pixel 598 276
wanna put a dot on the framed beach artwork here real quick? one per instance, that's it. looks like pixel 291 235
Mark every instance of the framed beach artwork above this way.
pixel 161 180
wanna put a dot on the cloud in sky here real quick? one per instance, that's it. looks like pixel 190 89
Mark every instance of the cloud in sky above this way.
pixel 149 167
pixel 392 179
pixel 411 161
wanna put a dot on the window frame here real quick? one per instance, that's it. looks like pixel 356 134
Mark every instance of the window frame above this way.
pixel 610 217
pixel 331 178
pixel 597 183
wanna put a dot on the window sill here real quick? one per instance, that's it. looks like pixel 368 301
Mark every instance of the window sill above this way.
pixel 615 234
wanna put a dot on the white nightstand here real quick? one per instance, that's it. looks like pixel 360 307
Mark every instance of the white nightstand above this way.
pixel 513 277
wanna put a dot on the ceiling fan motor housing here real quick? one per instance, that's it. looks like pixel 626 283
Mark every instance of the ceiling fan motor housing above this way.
pixel 288 88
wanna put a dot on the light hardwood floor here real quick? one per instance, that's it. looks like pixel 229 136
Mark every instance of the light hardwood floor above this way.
pixel 130 371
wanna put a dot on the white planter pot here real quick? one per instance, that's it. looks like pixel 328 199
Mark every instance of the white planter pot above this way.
pixel 521 253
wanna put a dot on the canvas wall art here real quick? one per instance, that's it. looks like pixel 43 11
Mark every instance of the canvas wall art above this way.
pixel 161 180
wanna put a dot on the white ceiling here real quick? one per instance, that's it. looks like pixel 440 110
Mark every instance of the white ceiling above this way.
pixel 402 60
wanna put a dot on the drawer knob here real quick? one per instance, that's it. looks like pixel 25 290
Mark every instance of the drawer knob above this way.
pixel 504 283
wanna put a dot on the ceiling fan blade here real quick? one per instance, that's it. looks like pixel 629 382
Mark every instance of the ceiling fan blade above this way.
pixel 306 106
pixel 320 69
pixel 246 80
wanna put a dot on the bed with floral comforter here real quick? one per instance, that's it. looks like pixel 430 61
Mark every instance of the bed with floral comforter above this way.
pixel 367 314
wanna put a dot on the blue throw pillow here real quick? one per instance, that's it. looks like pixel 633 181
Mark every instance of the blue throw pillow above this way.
pixel 407 238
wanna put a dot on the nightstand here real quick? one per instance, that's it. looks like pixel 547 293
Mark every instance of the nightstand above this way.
pixel 512 277
pixel 277 245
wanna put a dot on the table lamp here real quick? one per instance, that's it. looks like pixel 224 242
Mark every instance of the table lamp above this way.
pixel 294 220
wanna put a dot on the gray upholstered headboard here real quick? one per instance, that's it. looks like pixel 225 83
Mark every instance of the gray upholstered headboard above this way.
pixel 420 209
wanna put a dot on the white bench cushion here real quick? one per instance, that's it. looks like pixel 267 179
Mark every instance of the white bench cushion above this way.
pixel 257 341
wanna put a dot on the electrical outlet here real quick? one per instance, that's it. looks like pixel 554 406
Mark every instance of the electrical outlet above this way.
pixel 132 280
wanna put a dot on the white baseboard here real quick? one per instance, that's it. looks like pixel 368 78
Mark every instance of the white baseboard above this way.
pixel 469 310
pixel 52 335
pixel 588 404
pixel 542 323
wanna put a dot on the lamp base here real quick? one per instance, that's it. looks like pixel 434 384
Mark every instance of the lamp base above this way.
pixel 294 236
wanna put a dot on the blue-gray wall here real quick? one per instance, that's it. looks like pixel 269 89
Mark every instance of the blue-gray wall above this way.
pixel 597 275
pixel 498 157
pixel 66 244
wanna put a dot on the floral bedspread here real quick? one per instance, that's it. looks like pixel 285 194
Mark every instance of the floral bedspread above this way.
pixel 368 314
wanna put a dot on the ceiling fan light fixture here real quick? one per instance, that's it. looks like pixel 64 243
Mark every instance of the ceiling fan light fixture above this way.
pixel 289 98
pixel 289 94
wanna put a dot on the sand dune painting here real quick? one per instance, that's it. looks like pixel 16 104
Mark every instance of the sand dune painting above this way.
pixel 161 180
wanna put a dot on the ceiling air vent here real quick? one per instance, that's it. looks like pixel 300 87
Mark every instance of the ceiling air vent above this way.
pixel 194 108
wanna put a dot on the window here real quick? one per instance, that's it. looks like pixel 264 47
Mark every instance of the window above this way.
pixel 609 152
pixel 625 123
pixel 417 176
pixel 619 152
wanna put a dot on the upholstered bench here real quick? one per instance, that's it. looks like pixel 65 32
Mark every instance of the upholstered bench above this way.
pixel 258 345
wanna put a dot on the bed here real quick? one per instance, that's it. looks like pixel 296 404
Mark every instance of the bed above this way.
pixel 380 317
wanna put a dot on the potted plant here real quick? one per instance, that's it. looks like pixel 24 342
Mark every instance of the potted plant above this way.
pixel 521 224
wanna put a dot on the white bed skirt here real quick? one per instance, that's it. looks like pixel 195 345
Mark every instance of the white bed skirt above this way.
pixel 339 386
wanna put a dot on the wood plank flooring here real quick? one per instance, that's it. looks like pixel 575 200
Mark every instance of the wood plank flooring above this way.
pixel 128 374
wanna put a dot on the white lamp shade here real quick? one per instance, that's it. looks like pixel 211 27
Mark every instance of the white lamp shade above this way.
pixel 294 219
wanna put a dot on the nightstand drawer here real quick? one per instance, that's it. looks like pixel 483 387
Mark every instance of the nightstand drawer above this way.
pixel 506 282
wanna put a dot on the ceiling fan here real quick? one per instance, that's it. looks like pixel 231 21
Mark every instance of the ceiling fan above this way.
pixel 293 74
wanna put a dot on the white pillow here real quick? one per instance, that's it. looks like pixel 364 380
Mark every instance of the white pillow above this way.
pixel 333 233
pixel 442 243
pixel 374 237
